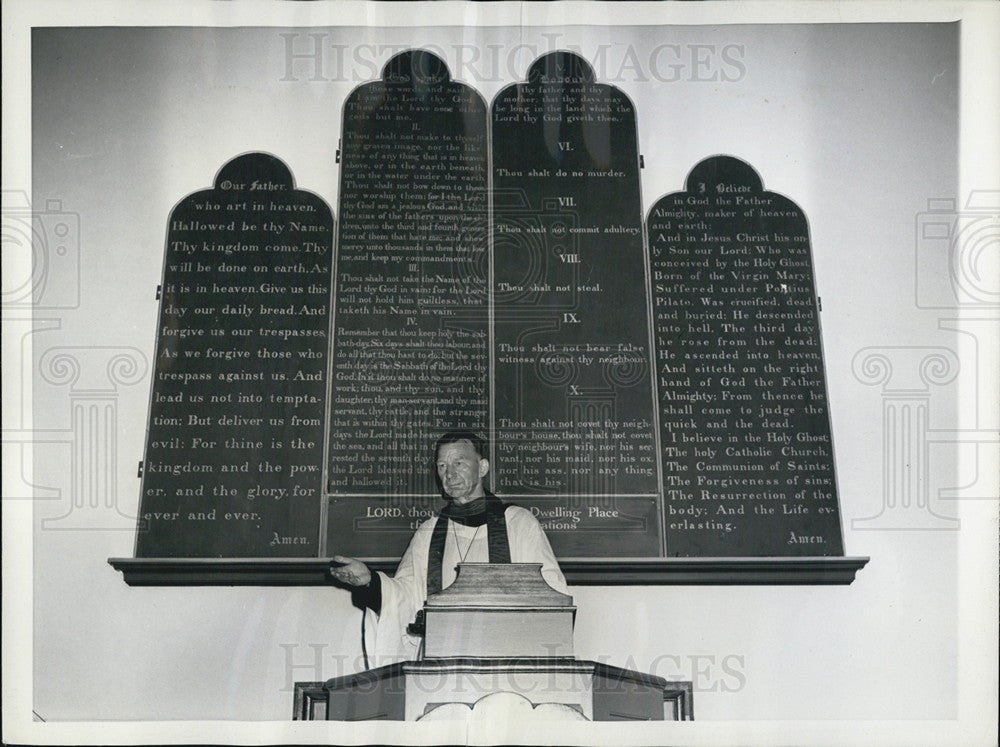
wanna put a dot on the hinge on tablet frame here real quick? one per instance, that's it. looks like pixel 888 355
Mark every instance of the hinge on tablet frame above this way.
pixel 642 162
pixel 139 472
pixel 819 302
pixel 158 289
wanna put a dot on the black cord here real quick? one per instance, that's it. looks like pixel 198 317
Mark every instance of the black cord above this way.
pixel 364 646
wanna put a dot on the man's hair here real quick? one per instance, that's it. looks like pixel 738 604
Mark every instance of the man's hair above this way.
pixel 478 442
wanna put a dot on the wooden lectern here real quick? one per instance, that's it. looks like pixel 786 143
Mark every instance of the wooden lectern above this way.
pixel 494 609
pixel 499 631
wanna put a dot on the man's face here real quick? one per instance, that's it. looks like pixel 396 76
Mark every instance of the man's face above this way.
pixel 461 471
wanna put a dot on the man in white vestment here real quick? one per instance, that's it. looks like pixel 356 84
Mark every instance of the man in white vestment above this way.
pixel 475 527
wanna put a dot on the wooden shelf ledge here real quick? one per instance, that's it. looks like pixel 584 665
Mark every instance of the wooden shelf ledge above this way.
pixel 643 572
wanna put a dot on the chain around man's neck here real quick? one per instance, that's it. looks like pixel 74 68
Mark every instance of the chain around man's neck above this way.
pixel 458 547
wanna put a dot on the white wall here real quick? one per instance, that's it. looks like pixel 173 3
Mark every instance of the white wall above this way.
pixel 857 124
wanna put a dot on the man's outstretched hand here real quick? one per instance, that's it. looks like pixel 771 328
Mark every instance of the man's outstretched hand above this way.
pixel 352 572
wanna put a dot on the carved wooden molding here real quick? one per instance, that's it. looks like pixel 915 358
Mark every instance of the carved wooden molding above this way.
pixel 658 572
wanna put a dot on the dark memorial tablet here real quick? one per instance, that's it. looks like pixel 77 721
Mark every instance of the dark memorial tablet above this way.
pixel 744 424
pixel 411 342
pixel 234 451
pixel 574 426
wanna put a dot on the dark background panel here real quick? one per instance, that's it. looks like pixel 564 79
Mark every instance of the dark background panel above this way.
pixel 376 527
pixel 604 528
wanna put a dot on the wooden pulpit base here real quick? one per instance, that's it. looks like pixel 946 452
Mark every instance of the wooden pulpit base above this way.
pixel 497 640
pixel 409 691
